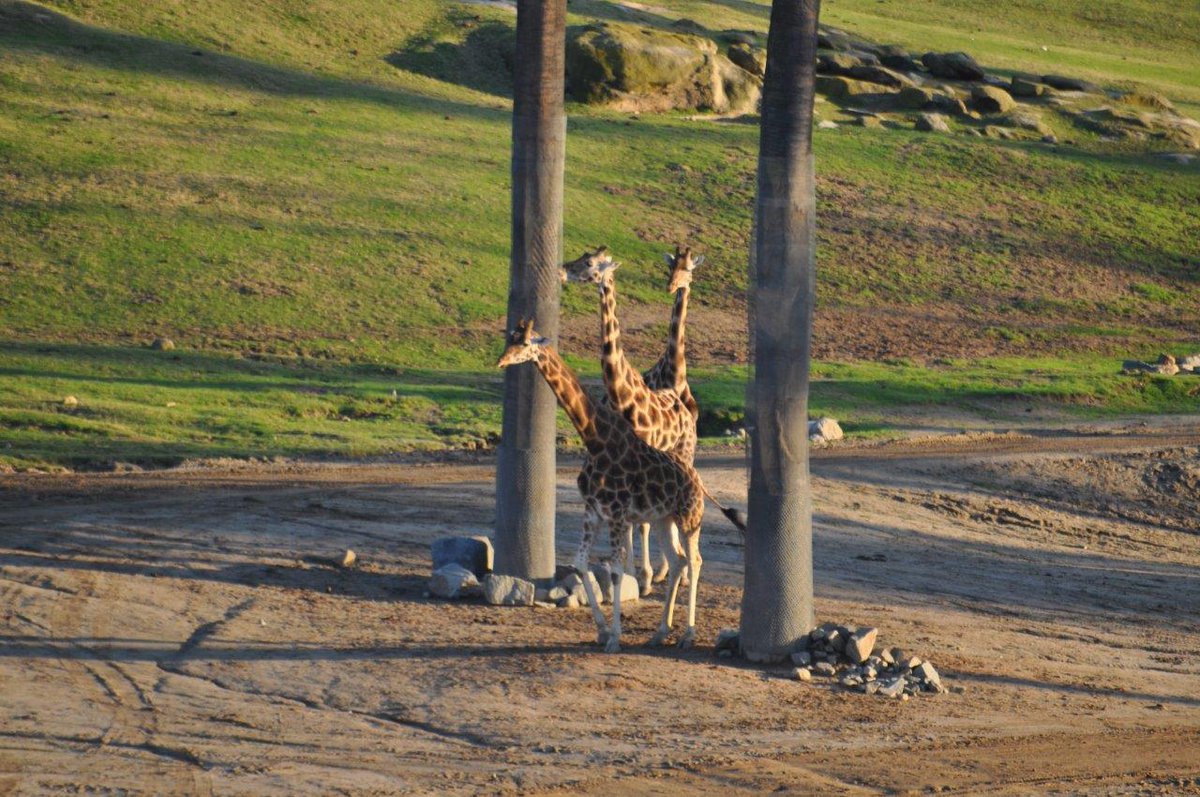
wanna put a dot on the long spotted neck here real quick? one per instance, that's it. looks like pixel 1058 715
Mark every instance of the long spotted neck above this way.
pixel 670 372
pixel 571 396
pixel 624 384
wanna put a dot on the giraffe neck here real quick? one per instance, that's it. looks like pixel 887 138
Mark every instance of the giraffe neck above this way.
pixel 621 380
pixel 571 396
pixel 675 359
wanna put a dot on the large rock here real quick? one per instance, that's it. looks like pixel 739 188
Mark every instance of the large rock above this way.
pixel 752 59
pixel 473 553
pixel 824 430
pixel 1026 120
pixel 898 58
pixel 1148 100
pixel 880 75
pixel 957 66
pixel 1025 87
pixel 643 69
pixel 838 87
pixel 454 581
pixel 932 123
pixel 573 584
pixel 507 590
pixel 1064 83
pixel 991 99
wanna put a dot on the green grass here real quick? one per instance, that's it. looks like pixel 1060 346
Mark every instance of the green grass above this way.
pixel 155 408
pixel 305 191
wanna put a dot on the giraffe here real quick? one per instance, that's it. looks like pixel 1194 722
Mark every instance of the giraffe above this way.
pixel 623 481
pixel 663 413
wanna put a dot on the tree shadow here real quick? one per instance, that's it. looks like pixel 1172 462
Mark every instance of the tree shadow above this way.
pixel 483 60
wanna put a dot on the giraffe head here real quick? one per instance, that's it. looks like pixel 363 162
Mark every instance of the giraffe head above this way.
pixel 524 344
pixel 590 267
pixel 681 264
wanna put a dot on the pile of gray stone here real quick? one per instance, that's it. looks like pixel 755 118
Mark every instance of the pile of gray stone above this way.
pixel 855 660
pixel 462 570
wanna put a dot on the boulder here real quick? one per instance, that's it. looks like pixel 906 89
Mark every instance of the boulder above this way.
pixel 830 38
pixel 957 66
pixel 685 25
pixel 1025 120
pixel 932 123
pixel 929 677
pixel 753 60
pixel 507 590
pixel 644 69
pixel 838 63
pixel 473 553
pixel 454 581
pixel 70 401
pixel 1023 87
pixel 1064 83
pixel 824 430
pixel 574 585
pixel 163 344
pixel 880 75
pixel 869 121
pixel 838 87
pixel 1189 363
pixel 991 99
pixel 827 124
pixel 898 58
pixel 745 37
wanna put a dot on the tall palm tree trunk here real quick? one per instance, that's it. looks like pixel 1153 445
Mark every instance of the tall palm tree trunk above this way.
pixel 777 601
pixel 525 481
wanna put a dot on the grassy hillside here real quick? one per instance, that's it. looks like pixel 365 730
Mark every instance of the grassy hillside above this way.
pixel 324 185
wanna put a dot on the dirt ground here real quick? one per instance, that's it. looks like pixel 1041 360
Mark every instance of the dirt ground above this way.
pixel 183 632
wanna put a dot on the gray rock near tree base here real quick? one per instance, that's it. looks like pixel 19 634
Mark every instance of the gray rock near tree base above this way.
pixel 802 658
pixel 824 430
pixel 473 553
pixel 630 591
pixel 574 585
pixel 507 591
pixel 454 581
pixel 860 643
pixel 727 639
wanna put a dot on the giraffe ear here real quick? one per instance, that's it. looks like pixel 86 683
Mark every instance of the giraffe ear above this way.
pixel 669 258
pixel 539 341
pixel 698 260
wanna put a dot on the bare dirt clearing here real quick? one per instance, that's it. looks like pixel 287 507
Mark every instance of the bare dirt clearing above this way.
pixel 181 632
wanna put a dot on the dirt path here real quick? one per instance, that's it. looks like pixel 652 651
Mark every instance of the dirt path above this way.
pixel 181 632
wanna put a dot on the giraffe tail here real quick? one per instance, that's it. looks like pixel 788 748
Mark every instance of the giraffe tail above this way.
pixel 735 516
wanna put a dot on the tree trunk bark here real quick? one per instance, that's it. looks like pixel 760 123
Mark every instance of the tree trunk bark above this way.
pixel 525 472
pixel 777 600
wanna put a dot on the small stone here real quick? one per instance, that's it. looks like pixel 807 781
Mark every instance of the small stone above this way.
pixel 574 584
pixel 822 431
pixel 896 655
pixel 886 657
pixel 70 401
pixel 871 687
pixel 802 674
pixel 727 639
pixel 826 124
pixel 349 558
pixel 850 681
pixel 860 643
pixel 541 594
pixel 836 640
pixel 507 590
pixel 892 688
pixel 569 602
pixel 473 553
pixel 557 593
pixel 454 581
pixel 163 344
pixel 912 663
pixel 870 121
pixel 802 658
pixel 824 668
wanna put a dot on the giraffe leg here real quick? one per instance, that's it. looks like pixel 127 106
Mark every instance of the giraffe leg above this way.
pixel 591 521
pixel 694 562
pixel 620 556
pixel 647 576
pixel 669 541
